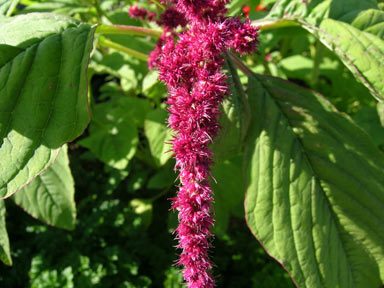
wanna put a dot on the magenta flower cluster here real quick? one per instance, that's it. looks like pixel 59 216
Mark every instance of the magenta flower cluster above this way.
pixel 140 13
pixel 190 64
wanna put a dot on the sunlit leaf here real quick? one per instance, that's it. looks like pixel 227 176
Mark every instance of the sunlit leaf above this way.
pixel 315 191
pixel 352 29
pixel 50 197
pixel 43 96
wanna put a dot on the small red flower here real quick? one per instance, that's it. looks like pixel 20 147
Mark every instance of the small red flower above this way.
pixel 246 10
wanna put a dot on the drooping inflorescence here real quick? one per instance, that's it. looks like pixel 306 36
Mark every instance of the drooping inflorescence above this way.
pixel 190 64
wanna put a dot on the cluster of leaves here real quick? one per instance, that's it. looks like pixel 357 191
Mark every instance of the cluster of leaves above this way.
pixel 121 240
pixel 314 177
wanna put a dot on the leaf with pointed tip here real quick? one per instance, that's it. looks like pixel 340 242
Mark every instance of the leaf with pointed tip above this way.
pixel 50 197
pixel 36 120
pixel 352 29
pixel 5 253
pixel 315 191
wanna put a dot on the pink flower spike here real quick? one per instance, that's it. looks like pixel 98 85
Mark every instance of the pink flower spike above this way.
pixel 190 64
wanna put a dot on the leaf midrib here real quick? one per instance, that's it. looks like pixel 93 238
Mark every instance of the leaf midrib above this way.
pixel 310 165
pixel 38 141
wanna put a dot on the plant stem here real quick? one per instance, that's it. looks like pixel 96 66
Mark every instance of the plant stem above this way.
pixel 110 44
pixel 240 64
pixel 99 11
pixel 273 24
pixel 158 4
pixel 316 64
pixel 161 194
pixel 128 30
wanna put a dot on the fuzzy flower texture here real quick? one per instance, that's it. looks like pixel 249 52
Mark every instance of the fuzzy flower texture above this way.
pixel 190 64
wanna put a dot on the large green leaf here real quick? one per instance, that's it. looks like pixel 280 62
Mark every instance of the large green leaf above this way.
pixel 315 188
pixel 5 253
pixel 50 197
pixel 7 7
pixel 43 95
pixel 352 29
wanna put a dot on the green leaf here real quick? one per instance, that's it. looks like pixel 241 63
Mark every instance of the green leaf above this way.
pixel 315 191
pixel 316 10
pixel 371 21
pixel 130 69
pixel 173 278
pixel 234 120
pixel 361 52
pixel 142 207
pixel 115 177
pixel 234 7
pixel 50 197
pixel 334 80
pixel 37 119
pixel 113 134
pixel 65 7
pixel 5 253
pixel 164 178
pixel 368 119
pixel 7 7
pixel 352 29
pixel 132 108
pixel 152 87
pixel 229 191
pixel 380 111
pixel 119 65
pixel 158 136
pixel 7 53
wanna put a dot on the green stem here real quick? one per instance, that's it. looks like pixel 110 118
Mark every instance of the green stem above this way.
pixel 128 30
pixel 316 65
pixel 240 64
pixel 158 4
pixel 266 68
pixel 161 194
pixel 98 11
pixel 270 24
pixel 110 44
pixel 285 46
